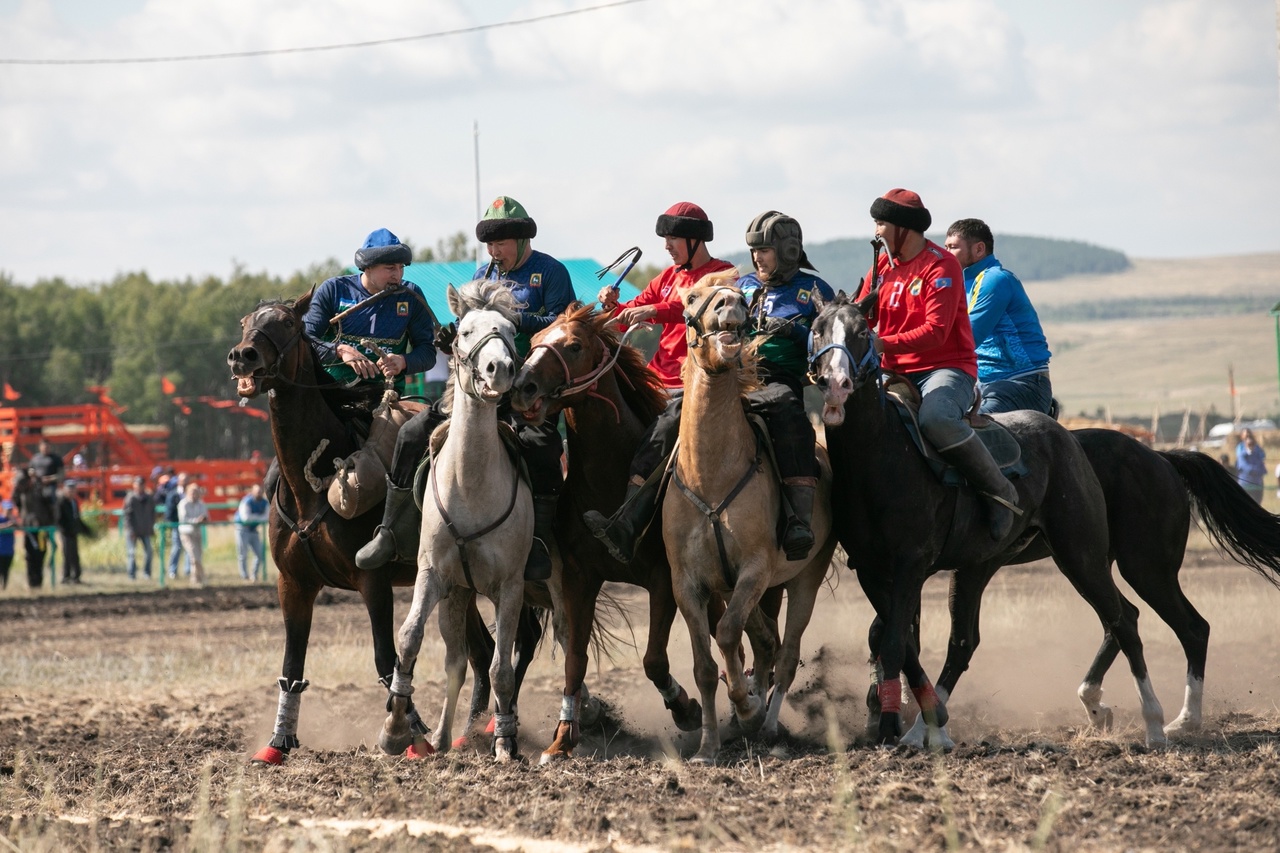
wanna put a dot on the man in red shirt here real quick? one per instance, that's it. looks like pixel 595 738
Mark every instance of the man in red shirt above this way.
pixel 923 332
pixel 687 230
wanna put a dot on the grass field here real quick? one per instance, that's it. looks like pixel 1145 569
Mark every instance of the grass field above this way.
pixel 1149 353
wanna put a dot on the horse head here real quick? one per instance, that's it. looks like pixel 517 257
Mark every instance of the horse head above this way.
pixel 268 348
pixel 565 362
pixel 842 353
pixel 484 354
pixel 715 312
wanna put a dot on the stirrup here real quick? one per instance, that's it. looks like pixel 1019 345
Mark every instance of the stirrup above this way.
pixel 1009 505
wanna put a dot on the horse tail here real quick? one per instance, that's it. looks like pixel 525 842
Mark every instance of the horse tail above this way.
pixel 1235 522
pixel 610 626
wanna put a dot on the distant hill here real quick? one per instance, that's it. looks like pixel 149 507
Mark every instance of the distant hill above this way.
pixel 1030 258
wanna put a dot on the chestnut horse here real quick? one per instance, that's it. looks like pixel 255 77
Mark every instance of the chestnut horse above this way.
pixel 719 521
pixel 609 397
pixel 312 546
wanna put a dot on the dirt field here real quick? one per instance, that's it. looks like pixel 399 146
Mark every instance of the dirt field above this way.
pixel 127 720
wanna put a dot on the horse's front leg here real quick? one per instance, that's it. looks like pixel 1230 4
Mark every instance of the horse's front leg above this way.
pixel 579 607
pixel 802 593
pixel 296 605
pixel 502 672
pixel 686 713
pixel 752 583
pixel 397 733
pixel 480 657
pixel 379 601
pixel 454 620
pixel 692 599
pixel 895 649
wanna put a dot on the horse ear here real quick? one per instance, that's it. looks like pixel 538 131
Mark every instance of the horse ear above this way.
pixel 456 305
pixel 303 302
pixel 866 304
pixel 818 302
pixel 842 298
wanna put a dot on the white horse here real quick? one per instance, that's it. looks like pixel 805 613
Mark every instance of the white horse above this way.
pixel 477 525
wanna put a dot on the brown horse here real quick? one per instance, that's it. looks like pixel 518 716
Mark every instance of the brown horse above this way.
pixel 717 516
pixel 312 546
pixel 609 397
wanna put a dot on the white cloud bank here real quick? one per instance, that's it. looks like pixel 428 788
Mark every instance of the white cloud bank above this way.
pixel 1153 127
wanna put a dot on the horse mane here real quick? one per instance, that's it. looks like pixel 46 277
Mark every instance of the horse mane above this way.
pixel 641 388
pixel 490 295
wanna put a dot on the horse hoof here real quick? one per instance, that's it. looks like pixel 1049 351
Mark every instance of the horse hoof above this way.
pixel 268 756
pixel 754 718
pixel 686 713
pixel 703 759
pixel 1181 727
pixel 1102 718
pixel 395 741
pixel 554 756
pixel 505 750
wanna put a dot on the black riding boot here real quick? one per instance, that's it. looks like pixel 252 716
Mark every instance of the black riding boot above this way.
pixel 975 462
pixel 621 532
pixel 396 538
pixel 538 566
pixel 797 538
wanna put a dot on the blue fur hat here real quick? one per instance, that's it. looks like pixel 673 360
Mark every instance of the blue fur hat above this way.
pixel 382 247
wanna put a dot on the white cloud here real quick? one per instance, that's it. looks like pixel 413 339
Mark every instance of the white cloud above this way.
pixel 1130 134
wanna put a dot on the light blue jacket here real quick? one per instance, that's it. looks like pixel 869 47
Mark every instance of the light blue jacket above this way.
pixel 1006 328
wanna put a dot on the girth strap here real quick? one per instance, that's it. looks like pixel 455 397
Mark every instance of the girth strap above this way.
pixel 713 515
pixel 460 540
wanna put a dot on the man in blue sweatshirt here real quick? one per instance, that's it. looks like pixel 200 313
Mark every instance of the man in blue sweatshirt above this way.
pixel 1013 356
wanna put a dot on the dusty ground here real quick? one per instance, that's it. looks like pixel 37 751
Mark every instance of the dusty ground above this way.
pixel 127 719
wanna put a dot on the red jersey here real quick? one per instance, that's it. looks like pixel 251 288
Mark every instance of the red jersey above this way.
pixel 921 314
pixel 664 291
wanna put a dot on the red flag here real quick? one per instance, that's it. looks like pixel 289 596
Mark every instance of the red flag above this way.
pixel 167 386
pixel 9 393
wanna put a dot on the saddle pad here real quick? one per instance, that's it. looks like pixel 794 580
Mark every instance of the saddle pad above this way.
pixel 438 437
pixel 1000 443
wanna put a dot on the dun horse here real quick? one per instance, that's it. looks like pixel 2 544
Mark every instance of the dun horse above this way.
pixel 312 546
pixel 899 524
pixel 477 524
pixel 717 522
pixel 609 398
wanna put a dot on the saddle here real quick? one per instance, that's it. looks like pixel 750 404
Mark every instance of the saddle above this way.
pixel 510 441
pixel 360 481
pixel 1000 443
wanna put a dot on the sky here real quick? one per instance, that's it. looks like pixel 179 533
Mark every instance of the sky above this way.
pixel 1150 126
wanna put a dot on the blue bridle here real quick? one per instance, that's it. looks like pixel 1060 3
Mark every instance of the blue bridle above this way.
pixel 863 367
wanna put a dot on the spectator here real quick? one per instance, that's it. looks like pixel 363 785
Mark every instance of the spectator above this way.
pixel 70 525
pixel 8 523
pixel 139 526
pixel 173 496
pixel 249 516
pixel 192 514
pixel 48 467
pixel 1251 464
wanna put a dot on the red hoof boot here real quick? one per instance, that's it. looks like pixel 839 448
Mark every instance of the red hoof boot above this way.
pixel 269 755
pixel 427 751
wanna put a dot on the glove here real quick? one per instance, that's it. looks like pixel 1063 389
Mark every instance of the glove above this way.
pixel 445 336
pixel 776 326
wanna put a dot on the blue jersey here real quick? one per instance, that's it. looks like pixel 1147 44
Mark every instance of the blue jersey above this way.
pixel 1006 329
pixel 790 300
pixel 400 323
pixel 542 285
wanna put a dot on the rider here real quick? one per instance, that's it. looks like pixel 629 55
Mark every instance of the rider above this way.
pixel 781 310
pixel 392 314
pixel 1013 356
pixel 923 332
pixel 686 231
pixel 542 285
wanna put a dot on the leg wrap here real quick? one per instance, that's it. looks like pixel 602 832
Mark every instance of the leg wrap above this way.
pixel 568 708
pixel 504 725
pixel 926 697
pixel 286 731
pixel 402 682
pixel 671 693
pixel 890 692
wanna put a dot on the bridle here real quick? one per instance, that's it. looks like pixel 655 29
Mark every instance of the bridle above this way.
pixel 465 360
pixel 694 321
pixel 282 350
pixel 863 368
pixel 588 381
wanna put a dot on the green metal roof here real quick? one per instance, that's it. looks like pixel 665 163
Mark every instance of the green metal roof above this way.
pixel 434 278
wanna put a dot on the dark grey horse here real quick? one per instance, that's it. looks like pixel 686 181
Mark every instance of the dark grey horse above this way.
pixel 899 523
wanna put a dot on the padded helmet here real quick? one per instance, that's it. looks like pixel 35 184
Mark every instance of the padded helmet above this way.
pixel 783 234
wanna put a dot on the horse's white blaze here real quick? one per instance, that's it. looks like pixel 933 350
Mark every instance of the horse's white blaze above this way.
pixel 1192 709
